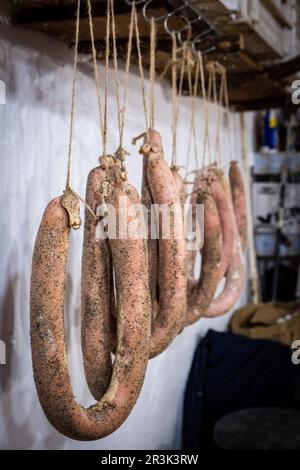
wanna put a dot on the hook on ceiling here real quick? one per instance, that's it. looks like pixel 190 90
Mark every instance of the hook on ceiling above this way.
pixel 178 30
pixel 162 17
pixel 189 27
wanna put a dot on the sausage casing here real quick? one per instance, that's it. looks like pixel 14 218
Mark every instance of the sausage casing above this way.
pixel 172 269
pixel 50 365
pixel 96 294
pixel 239 201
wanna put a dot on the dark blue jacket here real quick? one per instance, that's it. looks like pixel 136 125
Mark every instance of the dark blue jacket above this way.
pixel 230 373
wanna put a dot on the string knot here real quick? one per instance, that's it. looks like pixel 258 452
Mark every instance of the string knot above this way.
pixel 122 153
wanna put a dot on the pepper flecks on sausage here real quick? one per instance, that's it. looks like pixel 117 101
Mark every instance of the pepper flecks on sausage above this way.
pixel 233 284
pixel 239 201
pixel 191 255
pixel 50 365
pixel 114 302
pixel 235 272
pixel 96 294
pixel 152 243
pixel 172 269
pixel 179 182
pixel 203 293
pixel 226 215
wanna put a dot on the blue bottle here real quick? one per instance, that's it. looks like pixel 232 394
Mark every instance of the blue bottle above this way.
pixel 271 129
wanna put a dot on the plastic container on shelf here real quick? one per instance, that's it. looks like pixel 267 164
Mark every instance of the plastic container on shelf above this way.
pixel 293 249
pixel 266 198
pixel 260 163
pixel 292 209
pixel 276 162
pixel 265 240
pixel 294 162
pixel 265 243
pixel 269 162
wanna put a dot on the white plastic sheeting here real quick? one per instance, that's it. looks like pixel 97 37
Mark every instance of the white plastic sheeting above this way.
pixel 34 125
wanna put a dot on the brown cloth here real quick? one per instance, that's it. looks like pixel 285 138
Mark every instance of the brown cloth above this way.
pixel 278 322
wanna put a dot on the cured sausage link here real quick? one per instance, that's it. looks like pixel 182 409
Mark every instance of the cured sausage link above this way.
pixel 152 243
pixel 235 273
pixel 191 255
pixel 227 223
pixel 239 201
pixel 135 199
pixel 233 285
pixel 204 291
pixel 96 291
pixel 172 269
pixel 179 182
pixel 50 365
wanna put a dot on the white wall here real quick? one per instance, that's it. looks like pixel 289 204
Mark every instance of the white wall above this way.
pixel 33 144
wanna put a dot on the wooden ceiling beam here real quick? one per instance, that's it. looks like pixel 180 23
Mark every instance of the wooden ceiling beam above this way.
pixel 163 45
pixel 251 87
pixel 64 29
pixel 274 102
pixel 275 73
pixel 66 12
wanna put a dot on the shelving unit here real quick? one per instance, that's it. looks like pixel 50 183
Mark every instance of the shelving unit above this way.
pixel 281 10
pixel 267 180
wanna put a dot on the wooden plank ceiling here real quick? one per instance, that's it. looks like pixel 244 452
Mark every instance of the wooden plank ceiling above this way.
pixel 250 86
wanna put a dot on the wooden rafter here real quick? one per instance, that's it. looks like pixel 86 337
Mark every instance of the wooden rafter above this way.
pixel 250 85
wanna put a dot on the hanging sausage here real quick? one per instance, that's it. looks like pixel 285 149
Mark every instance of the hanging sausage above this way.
pixel 48 282
pixel 217 259
pixel 170 304
pixel 232 259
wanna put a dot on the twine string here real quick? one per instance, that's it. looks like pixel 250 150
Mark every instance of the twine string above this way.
pixel 226 99
pixel 192 131
pixel 74 89
pixel 174 96
pixel 152 72
pixel 107 56
pixel 140 62
pixel 96 74
pixel 115 61
pixel 177 94
pixel 128 61
pixel 212 69
pixel 72 112
pixel 219 103
pixel 196 87
pixel 206 140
